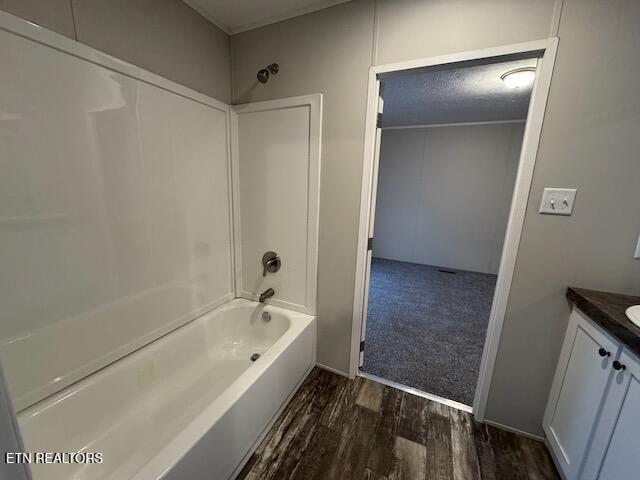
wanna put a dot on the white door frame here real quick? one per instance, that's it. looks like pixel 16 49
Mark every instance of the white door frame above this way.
pixel 547 49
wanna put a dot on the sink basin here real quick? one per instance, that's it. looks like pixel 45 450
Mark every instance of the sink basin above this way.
pixel 634 314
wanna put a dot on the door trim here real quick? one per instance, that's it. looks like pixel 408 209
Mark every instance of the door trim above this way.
pixel 418 393
pixel 372 207
pixel 547 49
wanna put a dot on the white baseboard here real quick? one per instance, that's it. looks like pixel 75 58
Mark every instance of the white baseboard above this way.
pixel 532 436
pixel 555 459
pixel 333 370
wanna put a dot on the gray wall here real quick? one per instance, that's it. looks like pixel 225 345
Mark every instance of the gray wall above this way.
pixel 444 194
pixel 326 52
pixel 410 29
pixel 588 141
pixel 163 36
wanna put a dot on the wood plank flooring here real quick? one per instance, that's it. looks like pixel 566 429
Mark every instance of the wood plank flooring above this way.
pixel 336 428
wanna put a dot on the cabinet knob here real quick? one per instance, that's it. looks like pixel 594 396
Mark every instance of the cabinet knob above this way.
pixel 603 353
pixel 618 366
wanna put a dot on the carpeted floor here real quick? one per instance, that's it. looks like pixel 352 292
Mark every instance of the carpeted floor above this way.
pixel 426 328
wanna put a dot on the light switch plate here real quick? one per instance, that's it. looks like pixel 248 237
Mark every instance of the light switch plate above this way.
pixel 558 201
pixel 637 254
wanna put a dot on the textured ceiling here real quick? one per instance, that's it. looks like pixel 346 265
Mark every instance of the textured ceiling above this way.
pixel 235 16
pixel 456 95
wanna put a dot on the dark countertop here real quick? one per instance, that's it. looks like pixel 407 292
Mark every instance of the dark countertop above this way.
pixel 608 311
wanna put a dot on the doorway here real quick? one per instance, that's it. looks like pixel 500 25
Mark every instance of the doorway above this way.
pixel 451 152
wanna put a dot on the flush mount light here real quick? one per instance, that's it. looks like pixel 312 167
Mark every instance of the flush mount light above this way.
pixel 519 77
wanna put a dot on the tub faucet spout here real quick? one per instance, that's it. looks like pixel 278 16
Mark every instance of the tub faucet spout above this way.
pixel 268 293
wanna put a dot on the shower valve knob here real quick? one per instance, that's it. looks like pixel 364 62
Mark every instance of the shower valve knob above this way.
pixel 270 263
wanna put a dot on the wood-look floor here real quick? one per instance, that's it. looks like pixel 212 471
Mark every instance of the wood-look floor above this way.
pixel 336 428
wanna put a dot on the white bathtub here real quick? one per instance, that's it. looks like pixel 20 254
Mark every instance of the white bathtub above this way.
pixel 190 405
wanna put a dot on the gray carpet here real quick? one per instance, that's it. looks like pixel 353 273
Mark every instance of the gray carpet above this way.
pixel 426 328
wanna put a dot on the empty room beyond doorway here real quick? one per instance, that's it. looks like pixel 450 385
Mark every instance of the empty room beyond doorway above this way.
pixel 426 326
pixel 449 154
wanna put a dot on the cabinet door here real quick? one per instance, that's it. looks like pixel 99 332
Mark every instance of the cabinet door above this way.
pixel 583 372
pixel 615 452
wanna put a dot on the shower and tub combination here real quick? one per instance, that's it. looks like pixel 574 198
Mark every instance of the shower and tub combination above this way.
pixel 142 318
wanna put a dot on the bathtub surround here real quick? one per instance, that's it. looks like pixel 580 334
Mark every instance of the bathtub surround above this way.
pixel 336 428
pixel 276 157
pixel 116 243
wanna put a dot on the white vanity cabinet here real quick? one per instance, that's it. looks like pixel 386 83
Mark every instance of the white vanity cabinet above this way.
pixel 592 420
pixel 583 373
pixel 615 451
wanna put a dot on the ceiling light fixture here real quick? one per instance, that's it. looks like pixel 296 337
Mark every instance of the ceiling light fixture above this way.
pixel 519 77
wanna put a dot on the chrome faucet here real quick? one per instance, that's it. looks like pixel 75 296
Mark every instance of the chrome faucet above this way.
pixel 268 293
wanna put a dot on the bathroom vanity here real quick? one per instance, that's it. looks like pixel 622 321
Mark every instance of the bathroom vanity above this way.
pixel 592 417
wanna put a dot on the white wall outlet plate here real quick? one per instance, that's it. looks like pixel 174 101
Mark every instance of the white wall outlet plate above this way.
pixel 558 201
pixel 637 252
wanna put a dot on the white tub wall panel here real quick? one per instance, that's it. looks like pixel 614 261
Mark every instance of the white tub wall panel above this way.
pixel 278 163
pixel 274 148
pixel 114 213
pixel 10 437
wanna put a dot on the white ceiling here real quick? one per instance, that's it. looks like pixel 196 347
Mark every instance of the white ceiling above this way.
pixel 455 95
pixel 234 16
